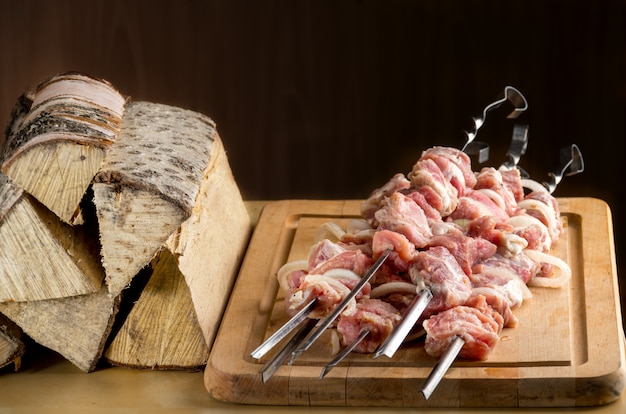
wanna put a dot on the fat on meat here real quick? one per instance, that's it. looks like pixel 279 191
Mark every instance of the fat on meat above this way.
pixel 496 232
pixel 497 298
pixel 466 250
pixel 354 260
pixel 500 265
pixel 314 282
pixel 401 214
pixel 374 315
pixel 397 183
pixel 476 322
pixel 491 179
pixel 432 214
pixel 443 195
pixel 438 270
pixel 403 251
pixel 329 292
pixel 322 251
pixel 453 162
pixel 476 204
pixel 512 179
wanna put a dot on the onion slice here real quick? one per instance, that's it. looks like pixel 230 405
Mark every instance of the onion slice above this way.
pixel 533 185
pixel 393 287
pixel 330 231
pixel 564 274
pixel 288 268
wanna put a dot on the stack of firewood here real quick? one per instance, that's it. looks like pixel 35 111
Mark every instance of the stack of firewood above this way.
pixel 121 228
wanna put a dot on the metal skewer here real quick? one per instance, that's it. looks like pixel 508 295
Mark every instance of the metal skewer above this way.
pixel 571 164
pixel 442 367
pixel 344 353
pixel 401 331
pixel 479 148
pixel 279 359
pixel 335 313
pixel 284 330
pixel 517 147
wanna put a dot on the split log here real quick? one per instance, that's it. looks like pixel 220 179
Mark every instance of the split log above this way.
pixel 41 257
pixel 149 183
pixel 162 330
pixel 11 344
pixel 211 244
pixel 57 137
pixel 75 327
pixel 166 185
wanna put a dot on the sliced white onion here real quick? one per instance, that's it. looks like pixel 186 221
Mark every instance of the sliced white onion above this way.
pixel 393 287
pixel 522 221
pixel 357 225
pixel 510 276
pixel 330 231
pixel 334 284
pixel 514 243
pixel 533 185
pixel 288 268
pixel 548 212
pixel 334 343
pixel 338 273
pixel 439 228
pixel 560 280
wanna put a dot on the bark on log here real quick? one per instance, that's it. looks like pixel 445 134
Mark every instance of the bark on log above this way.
pixel 57 137
pixel 149 182
pixel 11 344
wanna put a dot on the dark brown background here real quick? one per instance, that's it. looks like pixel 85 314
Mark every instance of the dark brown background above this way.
pixel 327 99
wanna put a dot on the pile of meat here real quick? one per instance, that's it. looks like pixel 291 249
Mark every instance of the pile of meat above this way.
pixel 476 240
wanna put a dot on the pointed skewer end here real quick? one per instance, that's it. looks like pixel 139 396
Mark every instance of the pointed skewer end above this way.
pixel 426 393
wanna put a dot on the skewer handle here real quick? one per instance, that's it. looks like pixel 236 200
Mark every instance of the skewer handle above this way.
pixel 442 366
pixel 270 369
pixel 283 331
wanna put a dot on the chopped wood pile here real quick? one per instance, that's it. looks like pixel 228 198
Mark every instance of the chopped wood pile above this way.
pixel 122 228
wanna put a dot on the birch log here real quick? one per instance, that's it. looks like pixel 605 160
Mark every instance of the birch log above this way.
pixel 41 257
pixel 162 330
pixel 211 243
pixel 75 327
pixel 148 184
pixel 57 137
pixel 11 344
pixel 166 186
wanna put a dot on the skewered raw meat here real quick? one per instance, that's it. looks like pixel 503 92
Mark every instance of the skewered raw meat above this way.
pixel 374 315
pixel 474 240
pixel 476 322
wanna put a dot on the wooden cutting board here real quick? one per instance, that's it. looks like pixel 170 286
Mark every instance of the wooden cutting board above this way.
pixel 567 350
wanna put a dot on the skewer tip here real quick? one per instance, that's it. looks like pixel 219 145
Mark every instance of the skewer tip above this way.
pixel 426 393
pixel 294 355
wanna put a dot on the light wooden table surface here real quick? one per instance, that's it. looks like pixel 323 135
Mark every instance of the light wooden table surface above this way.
pixel 48 383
